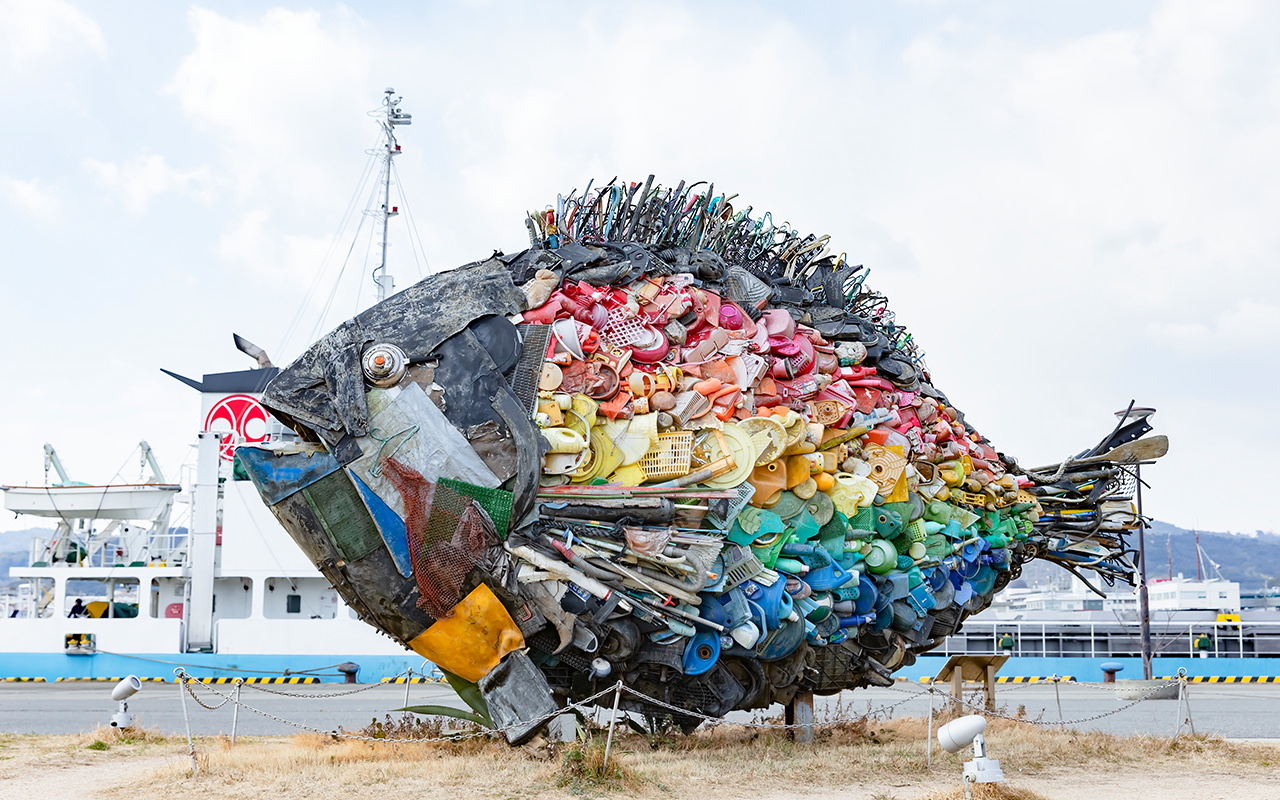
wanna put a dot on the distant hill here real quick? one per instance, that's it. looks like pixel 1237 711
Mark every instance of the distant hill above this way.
pixel 20 541
pixel 15 546
pixel 1248 559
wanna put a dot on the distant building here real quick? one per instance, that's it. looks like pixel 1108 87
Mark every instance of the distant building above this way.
pixel 1182 594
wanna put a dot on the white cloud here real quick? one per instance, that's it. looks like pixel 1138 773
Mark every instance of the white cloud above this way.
pixel 142 178
pixel 30 197
pixel 268 87
pixel 256 247
pixel 30 29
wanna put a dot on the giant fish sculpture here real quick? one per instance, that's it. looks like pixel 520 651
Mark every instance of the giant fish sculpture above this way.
pixel 672 444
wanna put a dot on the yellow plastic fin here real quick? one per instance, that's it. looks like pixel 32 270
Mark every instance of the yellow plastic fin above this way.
pixel 473 638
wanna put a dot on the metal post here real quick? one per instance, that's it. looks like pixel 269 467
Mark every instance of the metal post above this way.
pixel 408 681
pixel 1187 696
pixel 1058 695
pixel 608 743
pixel 957 691
pixel 191 746
pixel 799 712
pixel 928 753
pixel 1144 609
pixel 235 710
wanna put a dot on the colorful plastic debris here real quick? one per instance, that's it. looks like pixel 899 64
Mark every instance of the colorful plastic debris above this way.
pixel 671 444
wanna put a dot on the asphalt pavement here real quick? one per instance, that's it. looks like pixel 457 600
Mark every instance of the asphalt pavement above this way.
pixel 1234 711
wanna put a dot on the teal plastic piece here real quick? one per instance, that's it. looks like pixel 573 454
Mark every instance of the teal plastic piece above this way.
pixel 768 553
pixel 888 523
pixel 996 539
pixel 752 523
pixel 806 527
pixel 791 566
pixel 937 511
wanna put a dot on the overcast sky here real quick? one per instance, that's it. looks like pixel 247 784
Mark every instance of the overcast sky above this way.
pixel 1071 204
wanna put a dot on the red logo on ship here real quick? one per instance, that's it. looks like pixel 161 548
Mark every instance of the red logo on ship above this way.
pixel 242 418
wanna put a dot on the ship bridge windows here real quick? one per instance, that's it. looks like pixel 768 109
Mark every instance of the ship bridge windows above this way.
pixel 299 598
pixel 101 598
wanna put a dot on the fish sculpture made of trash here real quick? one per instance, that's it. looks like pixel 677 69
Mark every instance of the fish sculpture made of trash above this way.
pixel 671 444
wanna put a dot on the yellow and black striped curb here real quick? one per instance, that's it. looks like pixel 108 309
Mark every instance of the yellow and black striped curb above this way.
pixel 1229 679
pixel 1007 679
pixel 1072 679
pixel 23 680
pixel 403 679
pixel 308 679
pixel 105 680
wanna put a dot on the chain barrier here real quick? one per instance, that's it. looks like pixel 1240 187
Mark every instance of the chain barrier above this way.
pixel 1180 681
pixel 187 681
pixel 929 690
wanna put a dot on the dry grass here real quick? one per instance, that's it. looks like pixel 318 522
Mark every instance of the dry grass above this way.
pixel 583 770
pixel 987 791
pixel 104 736
pixel 869 759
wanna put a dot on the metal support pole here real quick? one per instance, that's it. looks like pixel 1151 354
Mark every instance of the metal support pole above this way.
pixel 1187 696
pixel 1183 699
pixel 608 743
pixel 799 712
pixel 235 710
pixel 957 692
pixel 1058 695
pixel 928 754
pixel 191 746
pixel 989 688
pixel 1144 608
pixel 408 681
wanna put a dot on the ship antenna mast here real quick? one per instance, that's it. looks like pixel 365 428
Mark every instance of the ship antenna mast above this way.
pixel 392 116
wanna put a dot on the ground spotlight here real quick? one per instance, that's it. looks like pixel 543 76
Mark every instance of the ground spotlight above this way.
pixel 121 693
pixel 959 733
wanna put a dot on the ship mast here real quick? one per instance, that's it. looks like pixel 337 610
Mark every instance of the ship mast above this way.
pixel 392 116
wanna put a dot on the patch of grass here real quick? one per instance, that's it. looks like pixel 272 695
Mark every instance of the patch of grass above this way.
pixel 98 745
pixel 106 735
pixel 410 726
pixel 988 791
pixel 583 770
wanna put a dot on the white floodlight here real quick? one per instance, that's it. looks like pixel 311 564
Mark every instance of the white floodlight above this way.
pixel 958 734
pixel 123 691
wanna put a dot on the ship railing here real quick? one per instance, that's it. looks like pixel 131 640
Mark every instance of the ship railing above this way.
pixel 168 549
pixel 1230 639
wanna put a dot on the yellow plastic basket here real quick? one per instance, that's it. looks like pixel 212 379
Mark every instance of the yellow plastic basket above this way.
pixel 669 458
